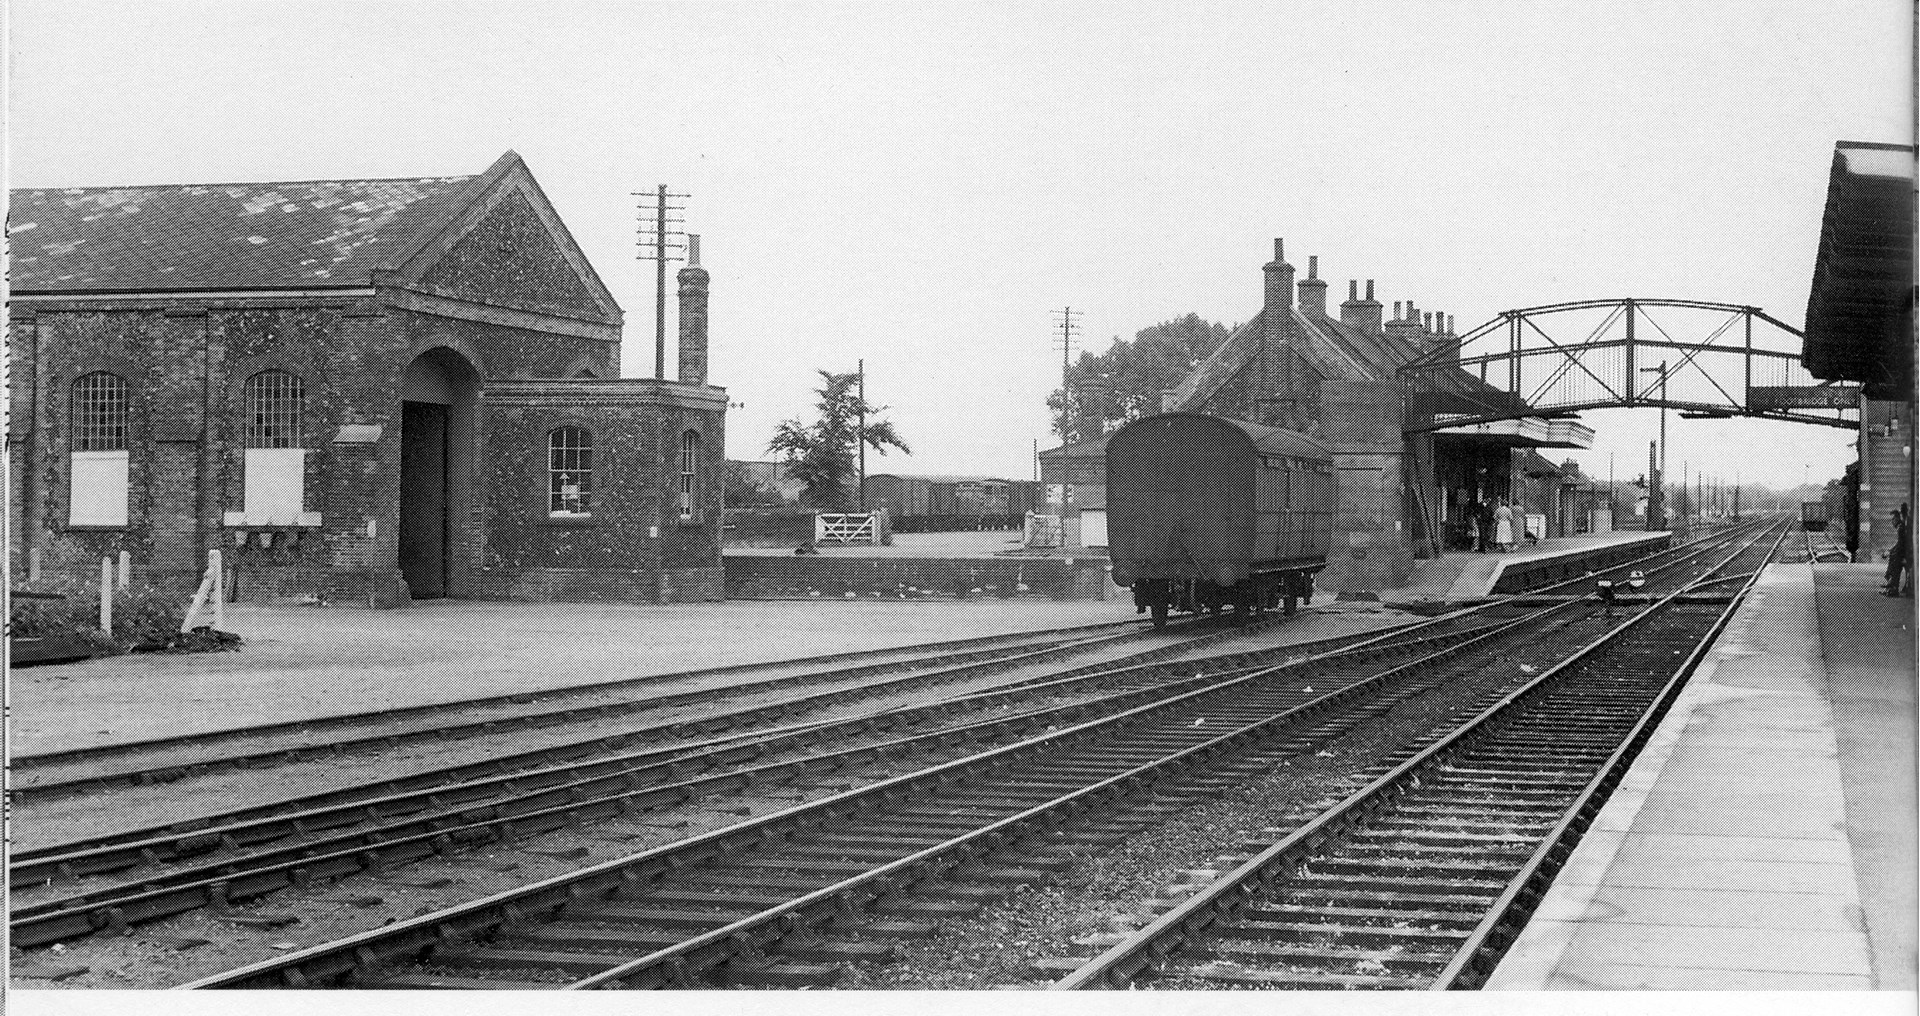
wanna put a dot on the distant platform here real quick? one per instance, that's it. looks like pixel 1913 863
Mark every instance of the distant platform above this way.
pixel 1465 575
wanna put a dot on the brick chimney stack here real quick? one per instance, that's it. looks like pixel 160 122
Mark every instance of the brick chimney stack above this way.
pixel 1279 285
pixel 1313 290
pixel 1358 314
pixel 693 316
pixel 1405 325
pixel 1272 391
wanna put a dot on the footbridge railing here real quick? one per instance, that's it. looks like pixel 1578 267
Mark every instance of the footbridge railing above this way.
pixel 1703 359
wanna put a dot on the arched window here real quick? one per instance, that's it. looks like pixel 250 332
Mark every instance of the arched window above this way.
pixel 689 466
pixel 97 416
pixel 274 477
pixel 274 399
pixel 569 472
pixel 99 413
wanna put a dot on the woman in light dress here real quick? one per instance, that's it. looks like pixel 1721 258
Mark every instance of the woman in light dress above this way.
pixel 1503 527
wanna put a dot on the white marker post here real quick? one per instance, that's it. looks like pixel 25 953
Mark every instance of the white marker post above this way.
pixel 219 589
pixel 106 595
pixel 126 570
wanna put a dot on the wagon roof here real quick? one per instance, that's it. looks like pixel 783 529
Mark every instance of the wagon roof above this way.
pixel 1267 440
pixel 941 478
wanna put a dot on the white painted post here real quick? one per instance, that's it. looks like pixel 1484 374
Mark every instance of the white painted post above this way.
pixel 126 570
pixel 106 595
pixel 199 600
pixel 219 589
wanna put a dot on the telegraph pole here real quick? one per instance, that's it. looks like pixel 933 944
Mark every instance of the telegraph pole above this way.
pixel 1068 326
pixel 657 244
pixel 861 439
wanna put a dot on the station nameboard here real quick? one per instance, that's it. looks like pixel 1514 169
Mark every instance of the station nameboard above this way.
pixel 1804 397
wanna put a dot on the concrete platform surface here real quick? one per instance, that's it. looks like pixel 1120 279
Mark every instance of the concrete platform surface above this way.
pixel 1765 838
pixel 1468 575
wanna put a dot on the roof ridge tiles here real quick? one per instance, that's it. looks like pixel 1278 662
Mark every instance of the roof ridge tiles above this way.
pixel 245 183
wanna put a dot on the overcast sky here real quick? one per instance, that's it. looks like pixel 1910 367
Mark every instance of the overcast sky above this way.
pixel 919 186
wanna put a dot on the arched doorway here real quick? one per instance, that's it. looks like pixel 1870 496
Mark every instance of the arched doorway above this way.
pixel 437 402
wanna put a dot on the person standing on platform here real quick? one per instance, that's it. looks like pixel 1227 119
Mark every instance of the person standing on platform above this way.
pixel 1898 564
pixel 1475 535
pixel 1486 526
pixel 1503 527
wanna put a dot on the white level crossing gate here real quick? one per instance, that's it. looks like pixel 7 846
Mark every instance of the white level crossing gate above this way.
pixel 863 527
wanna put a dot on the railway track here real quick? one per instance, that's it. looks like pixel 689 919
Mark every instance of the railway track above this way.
pixel 50 775
pixel 56 774
pixel 1423 878
pixel 169 869
pixel 1015 845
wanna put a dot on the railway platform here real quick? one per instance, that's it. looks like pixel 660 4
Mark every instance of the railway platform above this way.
pixel 1765 838
pixel 1463 575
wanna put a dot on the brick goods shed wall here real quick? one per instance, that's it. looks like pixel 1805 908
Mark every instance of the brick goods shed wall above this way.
pixel 185 369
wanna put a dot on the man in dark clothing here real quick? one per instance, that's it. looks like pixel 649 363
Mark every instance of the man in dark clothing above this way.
pixel 1486 524
pixel 1897 561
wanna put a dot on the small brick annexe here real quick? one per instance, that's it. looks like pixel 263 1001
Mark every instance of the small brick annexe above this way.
pixel 352 388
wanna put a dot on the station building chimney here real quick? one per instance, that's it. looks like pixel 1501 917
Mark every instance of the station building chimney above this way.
pixel 1361 314
pixel 1274 374
pixel 693 316
pixel 1313 290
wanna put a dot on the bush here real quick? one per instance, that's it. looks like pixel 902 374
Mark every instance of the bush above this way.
pixel 145 618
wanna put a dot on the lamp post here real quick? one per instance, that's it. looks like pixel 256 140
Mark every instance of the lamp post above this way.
pixel 1659 492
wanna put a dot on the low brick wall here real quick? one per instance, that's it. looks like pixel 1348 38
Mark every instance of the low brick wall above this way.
pixel 774 577
pixel 592 585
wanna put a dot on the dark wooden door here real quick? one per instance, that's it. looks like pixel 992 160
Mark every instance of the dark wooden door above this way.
pixel 423 498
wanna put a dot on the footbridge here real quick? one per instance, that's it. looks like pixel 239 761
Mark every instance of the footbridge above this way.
pixel 1701 359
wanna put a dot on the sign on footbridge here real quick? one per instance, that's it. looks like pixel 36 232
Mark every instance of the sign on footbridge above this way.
pixel 1702 359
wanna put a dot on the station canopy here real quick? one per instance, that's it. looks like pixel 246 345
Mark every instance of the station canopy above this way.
pixel 1860 307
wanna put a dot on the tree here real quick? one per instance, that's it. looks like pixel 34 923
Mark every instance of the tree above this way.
pixel 744 490
pixel 821 455
pixel 1124 383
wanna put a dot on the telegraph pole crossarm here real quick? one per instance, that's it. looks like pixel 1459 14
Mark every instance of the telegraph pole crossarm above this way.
pixel 1069 326
pixel 658 244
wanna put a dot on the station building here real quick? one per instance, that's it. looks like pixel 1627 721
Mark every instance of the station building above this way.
pixel 363 392
pixel 1331 374
pixel 1860 321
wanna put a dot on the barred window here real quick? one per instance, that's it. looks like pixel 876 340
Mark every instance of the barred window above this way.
pixel 689 462
pixel 99 412
pixel 569 471
pixel 274 399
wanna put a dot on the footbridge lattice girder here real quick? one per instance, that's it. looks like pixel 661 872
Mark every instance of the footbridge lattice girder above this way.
pixel 1558 359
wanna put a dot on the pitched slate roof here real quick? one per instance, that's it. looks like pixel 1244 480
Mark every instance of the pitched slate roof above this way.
pixel 1328 345
pixel 309 234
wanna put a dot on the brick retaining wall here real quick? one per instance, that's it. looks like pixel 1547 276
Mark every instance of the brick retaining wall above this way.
pixel 764 577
